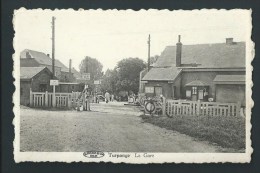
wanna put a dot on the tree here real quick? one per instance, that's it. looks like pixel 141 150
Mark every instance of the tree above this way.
pixel 128 71
pixel 109 80
pixel 153 59
pixel 92 66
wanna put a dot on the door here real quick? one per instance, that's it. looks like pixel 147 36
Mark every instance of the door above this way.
pixel 200 94
pixel 194 96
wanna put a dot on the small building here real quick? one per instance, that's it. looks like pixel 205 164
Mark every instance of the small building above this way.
pixel 199 72
pixel 35 78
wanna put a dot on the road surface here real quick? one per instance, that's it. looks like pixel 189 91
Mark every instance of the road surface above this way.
pixel 108 127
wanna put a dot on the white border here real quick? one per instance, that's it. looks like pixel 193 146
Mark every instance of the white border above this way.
pixel 158 157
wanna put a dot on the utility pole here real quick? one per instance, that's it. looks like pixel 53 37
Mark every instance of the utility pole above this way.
pixel 149 45
pixel 53 60
pixel 53 47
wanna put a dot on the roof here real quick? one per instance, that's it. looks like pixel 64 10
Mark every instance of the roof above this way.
pixel 228 79
pixel 30 72
pixel 218 55
pixel 197 83
pixel 76 73
pixel 44 59
pixel 162 74
pixel 63 67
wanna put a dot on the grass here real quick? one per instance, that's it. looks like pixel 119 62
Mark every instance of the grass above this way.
pixel 227 132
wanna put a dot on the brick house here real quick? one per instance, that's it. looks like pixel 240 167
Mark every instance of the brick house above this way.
pixel 35 78
pixel 199 72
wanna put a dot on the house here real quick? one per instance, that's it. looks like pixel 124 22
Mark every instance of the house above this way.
pixel 35 78
pixel 31 58
pixel 214 72
pixel 67 81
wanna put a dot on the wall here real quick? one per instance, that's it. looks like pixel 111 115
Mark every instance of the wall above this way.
pixel 41 78
pixel 166 88
pixel 66 77
pixel 230 93
pixel 25 92
pixel 66 88
pixel 141 83
pixel 206 76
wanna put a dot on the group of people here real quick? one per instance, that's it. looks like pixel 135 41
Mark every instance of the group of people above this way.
pixel 109 97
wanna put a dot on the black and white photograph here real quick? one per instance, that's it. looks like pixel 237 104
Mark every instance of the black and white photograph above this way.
pixel 148 86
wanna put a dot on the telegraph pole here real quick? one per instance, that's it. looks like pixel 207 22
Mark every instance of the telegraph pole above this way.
pixel 149 45
pixel 53 47
pixel 53 60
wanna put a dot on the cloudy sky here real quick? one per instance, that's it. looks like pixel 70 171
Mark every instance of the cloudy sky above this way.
pixel 112 35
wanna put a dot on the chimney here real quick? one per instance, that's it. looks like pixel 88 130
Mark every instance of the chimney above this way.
pixel 229 41
pixel 28 55
pixel 70 67
pixel 178 52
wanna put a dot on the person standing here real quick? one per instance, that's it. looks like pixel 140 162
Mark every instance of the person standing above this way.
pixel 107 97
pixel 112 97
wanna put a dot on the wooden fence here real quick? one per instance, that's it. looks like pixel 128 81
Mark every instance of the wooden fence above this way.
pixel 178 107
pixel 45 99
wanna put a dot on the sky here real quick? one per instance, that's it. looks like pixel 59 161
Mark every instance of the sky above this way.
pixel 112 35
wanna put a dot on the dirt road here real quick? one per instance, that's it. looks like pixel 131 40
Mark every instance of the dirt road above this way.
pixel 108 127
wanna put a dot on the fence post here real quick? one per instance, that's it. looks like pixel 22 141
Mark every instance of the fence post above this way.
pixel 69 101
pixel 83 102
pixel 164 106
pixel 46 98
pixel 31 97
pixel 198 108
pixel 238 108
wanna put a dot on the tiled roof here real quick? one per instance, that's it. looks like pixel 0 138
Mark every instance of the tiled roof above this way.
pixel 162 74
pixel 217 55
pixel 30 72
pixel 44 59
pixel 197 83
pixel 230 78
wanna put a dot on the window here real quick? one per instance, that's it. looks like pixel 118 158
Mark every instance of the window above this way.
pixel 194 90
pixel 188 93
pixel 158 91
pixel 149 89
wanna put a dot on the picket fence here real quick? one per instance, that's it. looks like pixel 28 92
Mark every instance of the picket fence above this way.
pixel 179 107
pixel 45 99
